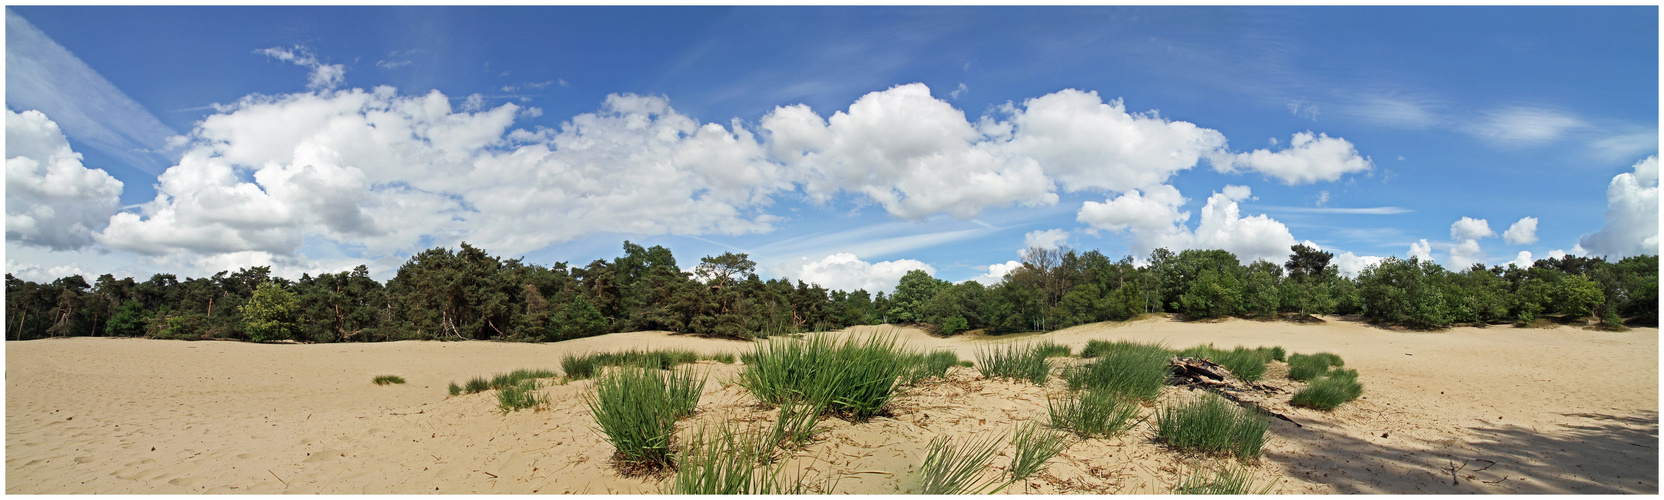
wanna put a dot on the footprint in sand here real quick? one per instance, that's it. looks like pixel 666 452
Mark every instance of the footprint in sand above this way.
pixel 85 459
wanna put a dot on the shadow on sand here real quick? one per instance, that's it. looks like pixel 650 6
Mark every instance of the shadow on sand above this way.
pixel 1592 453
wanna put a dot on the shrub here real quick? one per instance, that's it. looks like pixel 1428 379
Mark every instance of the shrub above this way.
pixel 1306 367
pixel 637 409
pixel 1016 362
pixel 1212 424
pixel 519 396
pixel 952 468
pixel 1035 446
pixel 390 379
pixel 856 377
pixel 1128 369
pixel 1330 391
pixel 1093 413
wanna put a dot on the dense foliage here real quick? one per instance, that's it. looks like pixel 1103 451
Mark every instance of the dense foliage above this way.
pixel 469 294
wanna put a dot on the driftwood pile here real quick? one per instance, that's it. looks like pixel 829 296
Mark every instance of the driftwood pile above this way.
pixel 1208 375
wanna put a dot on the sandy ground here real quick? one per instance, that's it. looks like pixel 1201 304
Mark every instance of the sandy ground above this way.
pixel 1468 410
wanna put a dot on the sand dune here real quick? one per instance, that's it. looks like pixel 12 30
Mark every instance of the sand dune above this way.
pixel 1527 410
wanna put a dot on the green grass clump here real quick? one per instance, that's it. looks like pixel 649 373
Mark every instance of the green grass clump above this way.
pixel 456 390
pixel 730 462
pixel 1277 353
pixel 1016 362
pixel 966 363
pixel 476 384
pixel 389 379
pixel 578 367
pixel 1212 424
pixel 514 378
pixel 933 365
pixel 637 409
pixel 726 358
pixel 1093 413
pixel 1246 364
pixel 520 396
pixel 952 468
pixel 1329 391
pixel 1306 367
pixel 1222 480
pixel 1051 349
pixel 1129 369
pixel 1035 446
pixel 856 377
pixel 795 425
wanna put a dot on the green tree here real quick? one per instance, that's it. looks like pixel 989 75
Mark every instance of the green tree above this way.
pixel 1578 296
pixel 915 287
pixel 271 314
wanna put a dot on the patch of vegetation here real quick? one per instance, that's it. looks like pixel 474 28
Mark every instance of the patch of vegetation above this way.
pixel 390 379
pixel 514 378
pixel 856 378
pixel 726 358
pixel 637 409
pixel 954 467
pixel 1035 446
pixel 1093 413
pixel 1223 480
pixel 933 365
pixel 1051 349
pixel 520 396
pixel 476 384
pixel 1246 364
pixel 1125 368
pixel 1016 362
pixel 730 462
pixel 1212 424
pixel 795 425
pixel 578 367
pixel 1329 391
pixel 1304 367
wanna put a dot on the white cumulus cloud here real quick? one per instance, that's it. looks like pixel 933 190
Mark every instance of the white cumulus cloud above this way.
pixel 1351 264
pixel 1465 254
pixel 845 271
pixel 1308 159
pixel 1154 221
pixel 1086 143
pixel 51 199
pixel 1421 250
pixel 1468 228
pixel 1523 232
pixel 398 173
pixel 1631 215
pixel 996 273
pixel 1048 239
pixel 1523 260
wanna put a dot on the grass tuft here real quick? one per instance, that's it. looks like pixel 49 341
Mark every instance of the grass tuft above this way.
pixel 1129 369
pixel 1329 391
pixel 934 365
pixel 476 384
pixel 1035 446
pixel 1051 349
pixel 1016 362
pixel 1093 413
pixel 578 367
pixel 856 377
pixel 1306 367
pixel 1212 424
pixel 1222 480
pixel 637 409
pixel 1246 364
pixel 726 358
pixel 521 396
pixel 514 378
pixel 795 426
pixel 730 462
pixel 389 379
pixel 456 390
pixel 952 468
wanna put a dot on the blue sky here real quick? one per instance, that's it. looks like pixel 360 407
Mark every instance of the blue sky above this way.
pixel 842 145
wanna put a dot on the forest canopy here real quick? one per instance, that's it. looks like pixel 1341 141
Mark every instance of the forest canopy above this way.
pixel 467 294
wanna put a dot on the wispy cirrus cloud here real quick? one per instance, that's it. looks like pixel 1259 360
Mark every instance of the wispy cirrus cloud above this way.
pixel 44 76
pixel 1339 210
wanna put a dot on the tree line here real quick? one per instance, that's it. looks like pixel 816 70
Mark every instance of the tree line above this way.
pixel 467 294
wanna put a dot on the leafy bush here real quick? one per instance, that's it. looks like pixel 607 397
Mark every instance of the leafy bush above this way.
pixel 1016 362
pixel 1306 367
pixel 856 377
pixel 1035 446
pixel 1212 424
pixel 389 379
pixel 1330 391
pixel 637 409
pixel 952 468
pixel 1093 413
pixel 1125 368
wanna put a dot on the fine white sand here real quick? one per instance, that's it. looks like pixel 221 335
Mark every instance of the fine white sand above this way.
pixel 1496 410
